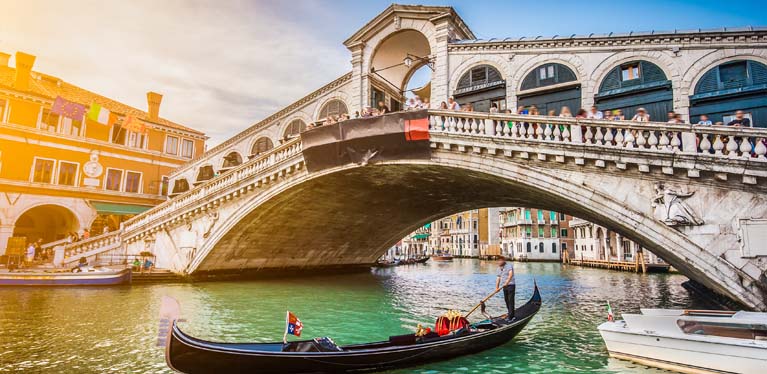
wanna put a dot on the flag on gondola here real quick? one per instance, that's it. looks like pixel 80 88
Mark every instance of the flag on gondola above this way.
pixel 610 317
pixel 293 325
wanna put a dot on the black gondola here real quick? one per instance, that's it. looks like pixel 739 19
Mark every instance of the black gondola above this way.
pixel 187 354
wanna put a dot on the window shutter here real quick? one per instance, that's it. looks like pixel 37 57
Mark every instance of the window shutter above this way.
pixel 651 72
pixel 709 82
pixel 612 80
pixel 758 72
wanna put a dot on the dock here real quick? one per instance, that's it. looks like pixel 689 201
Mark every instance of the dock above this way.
pixel 639 265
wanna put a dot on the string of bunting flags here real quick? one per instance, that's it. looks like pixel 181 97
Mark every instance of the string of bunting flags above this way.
pixel 96 113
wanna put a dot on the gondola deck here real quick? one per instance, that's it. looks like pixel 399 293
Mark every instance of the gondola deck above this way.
pixel 187 354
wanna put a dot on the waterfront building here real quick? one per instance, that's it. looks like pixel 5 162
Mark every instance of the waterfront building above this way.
pixel 417 243
pixel 533 234
pixel 75 170
pixel 597 243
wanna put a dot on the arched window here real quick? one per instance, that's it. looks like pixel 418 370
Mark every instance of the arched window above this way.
pixel 295 127
pixel 733 74
pixel 730 87
pixel 540 247
pixel 261 145
pixel 206 172
pixel 553 247
pixel 231 160
pixel 333 107
pixel 547 75
pixel 631 74
pixel 479 78
pixel 529 247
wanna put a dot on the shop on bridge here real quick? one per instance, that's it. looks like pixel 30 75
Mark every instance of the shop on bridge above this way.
pixel 482 86
pixel 732 86
pixel 633 85
pixel 550 87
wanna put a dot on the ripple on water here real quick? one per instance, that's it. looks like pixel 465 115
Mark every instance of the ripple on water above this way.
pixel 94 330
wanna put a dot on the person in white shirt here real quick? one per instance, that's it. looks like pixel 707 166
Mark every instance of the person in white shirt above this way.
pixel 565 113
pixel 452 104
pixel 641 116
pixel 704 120
pixel 594 113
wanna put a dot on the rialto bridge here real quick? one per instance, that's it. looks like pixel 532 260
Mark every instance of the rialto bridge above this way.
pixel 694 195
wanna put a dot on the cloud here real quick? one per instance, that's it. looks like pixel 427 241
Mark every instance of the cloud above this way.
pixel 221 66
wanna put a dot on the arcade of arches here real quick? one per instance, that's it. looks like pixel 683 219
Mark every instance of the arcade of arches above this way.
pixel 47 222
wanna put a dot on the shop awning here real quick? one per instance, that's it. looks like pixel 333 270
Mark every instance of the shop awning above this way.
pixel 114 208
pixel 420 236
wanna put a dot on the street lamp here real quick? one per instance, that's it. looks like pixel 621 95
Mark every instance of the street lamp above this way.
pixel 408 61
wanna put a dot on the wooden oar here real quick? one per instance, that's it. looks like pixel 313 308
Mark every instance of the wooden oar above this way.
pixel 482 302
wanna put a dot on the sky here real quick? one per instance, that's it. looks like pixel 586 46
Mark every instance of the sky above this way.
pixel 224 65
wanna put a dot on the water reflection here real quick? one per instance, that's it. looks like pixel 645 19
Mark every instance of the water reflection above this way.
pixel 97 330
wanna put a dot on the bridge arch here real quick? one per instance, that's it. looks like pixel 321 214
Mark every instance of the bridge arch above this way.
pixel 407 194
pixel 47 221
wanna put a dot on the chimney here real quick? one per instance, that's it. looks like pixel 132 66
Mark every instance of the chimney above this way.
pixel 153 100
pixel 24 64
pixel 4 57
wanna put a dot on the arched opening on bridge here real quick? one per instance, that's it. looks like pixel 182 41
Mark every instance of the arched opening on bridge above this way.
pixel 332 108
pixel 205 173
pixel 418 85
pixel 600 243
pixel 550 87
pixel 295 128
pixel 729 87
pixel 231 160
pixel 261 145
pixel 633 85
pixel 482 88
pixel 397 60
pixel 47 222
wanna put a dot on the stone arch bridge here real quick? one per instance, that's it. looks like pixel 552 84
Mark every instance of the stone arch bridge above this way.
pixel 694 195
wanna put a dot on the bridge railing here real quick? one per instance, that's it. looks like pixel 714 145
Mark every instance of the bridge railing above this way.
pixel 226 180
pixel 92 246
pixel 716 141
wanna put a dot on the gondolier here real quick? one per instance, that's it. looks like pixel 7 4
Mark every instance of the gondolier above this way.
pixel 506 280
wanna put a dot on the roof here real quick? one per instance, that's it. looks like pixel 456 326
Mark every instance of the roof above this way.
pixel 50 87
pixel 615 35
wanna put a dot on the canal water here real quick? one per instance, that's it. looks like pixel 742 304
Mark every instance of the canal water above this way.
pixel 103 330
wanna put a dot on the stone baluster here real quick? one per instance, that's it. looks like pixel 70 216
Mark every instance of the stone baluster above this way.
pixel 499 125
pixel 760 149
pixel 745 147
pixel 510 131
pixel 653 140
pixel 450 124
pixel 432 123
pixel 676 143
pixel 609 136
pixel 589 135
pixel 705 144
pixel 547 133
pixel 539 131
pixel 599 136
pixel 732 147
pixel 566 134
pixel 557 133
pixel 619 139
pixel 664 141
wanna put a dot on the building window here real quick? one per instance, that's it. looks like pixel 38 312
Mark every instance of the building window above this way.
pixel 187 148
pixel 118 134
pixel 261 145
pixel 333 107
pixel 553 232
pixel 70 126
pixel 132 181
pixel 528 231
pixel 546 72
pixel 553 216
pixel 376 95
pixel 114 180
pixel 563 233
pixel 2 109
pixel 50 120
pixel 630 72
pixel 67 173
pixel 540 247
pixel 540 231
pixel 136 140
pixel 43 171
pixel 295 127
pixel 564 247
pixel 561 216
pixel 171 145
pixel 527 215
pixel 540 216
pixel 529 247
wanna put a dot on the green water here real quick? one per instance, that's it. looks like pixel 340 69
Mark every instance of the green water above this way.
pixel 104 330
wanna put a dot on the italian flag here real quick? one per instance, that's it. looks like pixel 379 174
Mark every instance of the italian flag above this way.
pixel 99 114
pixel 610 316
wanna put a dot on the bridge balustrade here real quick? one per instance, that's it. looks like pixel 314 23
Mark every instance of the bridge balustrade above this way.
pixel 714 141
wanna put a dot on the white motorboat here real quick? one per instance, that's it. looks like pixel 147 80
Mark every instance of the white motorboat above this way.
pixel 691 341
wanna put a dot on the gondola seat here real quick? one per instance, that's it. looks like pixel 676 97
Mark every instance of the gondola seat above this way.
pixel 316 345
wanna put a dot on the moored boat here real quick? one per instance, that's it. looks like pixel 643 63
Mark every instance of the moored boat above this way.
pixel 106 277
pixel 442 257
pixel 691 341
pixel 188 354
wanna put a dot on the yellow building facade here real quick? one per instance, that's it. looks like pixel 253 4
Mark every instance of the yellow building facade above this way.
pixel 61 175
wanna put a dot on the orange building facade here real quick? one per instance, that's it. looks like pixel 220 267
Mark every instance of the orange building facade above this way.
pixel 61 175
